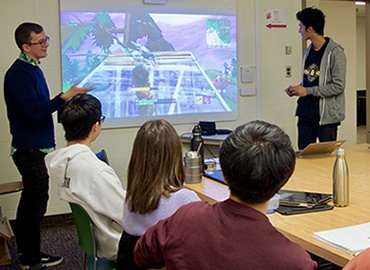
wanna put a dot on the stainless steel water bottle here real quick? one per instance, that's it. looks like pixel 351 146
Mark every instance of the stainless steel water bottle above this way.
pixel 193 167
pixel 340 179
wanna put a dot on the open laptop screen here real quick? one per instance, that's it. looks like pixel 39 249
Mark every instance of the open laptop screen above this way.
pixel 215 175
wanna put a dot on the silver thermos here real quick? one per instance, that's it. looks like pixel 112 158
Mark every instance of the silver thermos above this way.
pixel 193 167
pixel 340 179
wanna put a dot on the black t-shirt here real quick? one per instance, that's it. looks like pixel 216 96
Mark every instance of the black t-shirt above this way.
pixel 308 106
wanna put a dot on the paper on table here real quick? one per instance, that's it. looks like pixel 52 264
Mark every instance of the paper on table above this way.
pixel 352 239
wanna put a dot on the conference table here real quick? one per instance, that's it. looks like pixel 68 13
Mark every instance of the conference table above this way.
pixel 314 174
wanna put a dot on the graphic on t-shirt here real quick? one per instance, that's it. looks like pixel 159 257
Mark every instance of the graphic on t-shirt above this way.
pixel 312 72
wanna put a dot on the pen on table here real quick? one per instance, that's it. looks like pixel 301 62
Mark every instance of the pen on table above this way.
pixel 294 204
pixel 310 207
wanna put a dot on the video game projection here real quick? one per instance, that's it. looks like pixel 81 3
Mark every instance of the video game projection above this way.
pixel 166 63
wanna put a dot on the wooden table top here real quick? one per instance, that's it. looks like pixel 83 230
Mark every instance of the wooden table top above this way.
pixel 11 187
pixel 315 175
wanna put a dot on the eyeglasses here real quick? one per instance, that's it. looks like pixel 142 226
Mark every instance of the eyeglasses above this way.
pixel 42 42
pixel 102 118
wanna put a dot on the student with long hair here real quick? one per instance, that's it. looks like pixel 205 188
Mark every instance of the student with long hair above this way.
pixel 155 181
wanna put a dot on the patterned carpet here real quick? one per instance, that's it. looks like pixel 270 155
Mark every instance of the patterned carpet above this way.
pixel 59 237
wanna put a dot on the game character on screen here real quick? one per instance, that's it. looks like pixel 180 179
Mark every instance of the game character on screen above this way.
pixel 140 81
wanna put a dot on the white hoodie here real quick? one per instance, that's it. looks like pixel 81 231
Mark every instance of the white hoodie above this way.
pixel 83 179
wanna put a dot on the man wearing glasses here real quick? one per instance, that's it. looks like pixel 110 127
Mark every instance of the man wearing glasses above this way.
pixel 29 110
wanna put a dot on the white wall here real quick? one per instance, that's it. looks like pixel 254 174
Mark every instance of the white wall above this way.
pixel 341 26
pixel 275 106
pixel 361 56
pixel 258 47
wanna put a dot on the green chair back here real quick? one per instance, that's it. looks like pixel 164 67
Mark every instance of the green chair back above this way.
pixel 84 225
pixel 86 239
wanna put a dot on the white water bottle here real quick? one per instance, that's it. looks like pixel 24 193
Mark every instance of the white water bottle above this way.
pixel 340 179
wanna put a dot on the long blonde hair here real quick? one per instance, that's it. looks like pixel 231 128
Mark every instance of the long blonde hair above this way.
pixel 156 168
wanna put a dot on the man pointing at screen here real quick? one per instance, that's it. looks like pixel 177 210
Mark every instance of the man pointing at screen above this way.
pixel 29 110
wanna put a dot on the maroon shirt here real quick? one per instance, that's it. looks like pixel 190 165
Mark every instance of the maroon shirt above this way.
pixel 225 235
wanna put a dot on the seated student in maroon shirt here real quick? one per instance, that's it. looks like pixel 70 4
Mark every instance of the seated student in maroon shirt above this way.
pixel 257 159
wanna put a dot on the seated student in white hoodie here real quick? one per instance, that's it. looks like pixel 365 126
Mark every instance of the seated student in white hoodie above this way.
pixel 84 179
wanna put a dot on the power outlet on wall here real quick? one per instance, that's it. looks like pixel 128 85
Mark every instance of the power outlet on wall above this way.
pixel 288 71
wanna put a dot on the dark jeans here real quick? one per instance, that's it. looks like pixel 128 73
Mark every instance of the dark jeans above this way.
pixel 32 204
pixel 125 256
pixel 308 132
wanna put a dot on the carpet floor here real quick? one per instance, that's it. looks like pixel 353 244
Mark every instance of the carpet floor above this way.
pixel 58 237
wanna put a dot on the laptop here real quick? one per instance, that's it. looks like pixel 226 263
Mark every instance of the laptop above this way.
pixel 320 149
pixel 215 175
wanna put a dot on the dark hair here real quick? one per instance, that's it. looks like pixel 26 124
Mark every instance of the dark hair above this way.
pixel 23 33
pixel 257 159
pixel 155 168
pixel 78 116
pixel 312 17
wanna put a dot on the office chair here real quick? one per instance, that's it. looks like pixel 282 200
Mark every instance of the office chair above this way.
pixel 86 239
pixel 125 256
pixel 102 155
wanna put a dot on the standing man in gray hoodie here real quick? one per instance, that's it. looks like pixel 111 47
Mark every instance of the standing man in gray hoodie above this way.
pixel 321 106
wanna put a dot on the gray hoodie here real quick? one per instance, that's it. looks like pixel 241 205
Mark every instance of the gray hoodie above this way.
pixel 332 83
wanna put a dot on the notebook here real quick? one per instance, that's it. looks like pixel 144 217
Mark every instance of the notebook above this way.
pixel 320 149
pixel 215 175
pixel 352 239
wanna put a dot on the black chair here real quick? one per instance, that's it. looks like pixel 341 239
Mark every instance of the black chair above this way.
pixel 361 107
pixel 125 257
pixel 102 155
